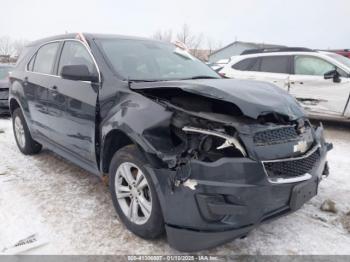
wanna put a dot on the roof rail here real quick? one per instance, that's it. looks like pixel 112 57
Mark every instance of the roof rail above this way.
pixel 277 49
pixel 337 50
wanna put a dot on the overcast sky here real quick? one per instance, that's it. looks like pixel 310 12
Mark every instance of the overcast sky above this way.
pixel 314 24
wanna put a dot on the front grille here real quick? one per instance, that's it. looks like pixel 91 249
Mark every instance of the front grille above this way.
pixel 275 136
pixel 292 168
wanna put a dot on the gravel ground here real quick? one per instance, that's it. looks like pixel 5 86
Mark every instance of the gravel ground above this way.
pixel 72 210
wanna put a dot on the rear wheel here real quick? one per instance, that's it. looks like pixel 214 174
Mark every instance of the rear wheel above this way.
pixel 26 144
pixel 133 194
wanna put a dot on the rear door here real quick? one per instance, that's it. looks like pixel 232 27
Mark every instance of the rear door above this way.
pixel 275 70
pixel 272 69
pixel 243 69
pixel 318 95
pixel 77 125
pixel 38 79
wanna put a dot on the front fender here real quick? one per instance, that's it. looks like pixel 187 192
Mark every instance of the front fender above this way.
pixel 145 122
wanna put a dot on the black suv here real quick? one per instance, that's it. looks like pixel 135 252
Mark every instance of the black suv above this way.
pixel 203 158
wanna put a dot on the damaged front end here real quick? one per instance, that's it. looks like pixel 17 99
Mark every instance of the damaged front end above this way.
pixel 226 167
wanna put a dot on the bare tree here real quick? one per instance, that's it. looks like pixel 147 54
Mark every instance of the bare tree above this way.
pixel 18 46
pixel 191 40
pixel 196 44
pixel 166 35
pixel 185 36
pixel 213 45
pixel 6 47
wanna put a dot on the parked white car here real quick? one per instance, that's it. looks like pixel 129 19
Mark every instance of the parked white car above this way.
pixel 319 80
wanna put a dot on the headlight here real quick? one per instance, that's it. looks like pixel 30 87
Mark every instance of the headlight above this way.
pixel 229 141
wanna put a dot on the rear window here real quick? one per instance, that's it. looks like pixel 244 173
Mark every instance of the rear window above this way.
pixel 45 59
pixel 245 64
pixel 275 64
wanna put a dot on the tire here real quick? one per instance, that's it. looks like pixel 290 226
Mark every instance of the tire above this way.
pixel 151 224
pixel 26 144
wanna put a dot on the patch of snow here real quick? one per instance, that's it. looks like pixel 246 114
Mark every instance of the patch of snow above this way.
pixel 72 210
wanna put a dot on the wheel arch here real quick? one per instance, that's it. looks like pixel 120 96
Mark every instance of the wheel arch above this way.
pixel 116 139
pixel 14 104
pixel 113 141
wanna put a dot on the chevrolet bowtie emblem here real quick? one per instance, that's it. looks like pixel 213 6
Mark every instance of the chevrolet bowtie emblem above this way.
pixel 300 147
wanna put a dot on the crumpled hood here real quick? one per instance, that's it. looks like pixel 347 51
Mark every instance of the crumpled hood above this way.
pixel 252 97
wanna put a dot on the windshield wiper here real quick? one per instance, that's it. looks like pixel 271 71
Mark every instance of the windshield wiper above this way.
pixel 201 77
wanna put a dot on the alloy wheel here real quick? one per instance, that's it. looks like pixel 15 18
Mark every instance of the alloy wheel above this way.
pixel 19 132
pixel 133 193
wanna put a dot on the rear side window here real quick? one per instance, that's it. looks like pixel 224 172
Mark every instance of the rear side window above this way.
pixel 74 53
pixel 30 65
pixel 245 64
pixel 275 64
pixel 45 58
pixel 308 65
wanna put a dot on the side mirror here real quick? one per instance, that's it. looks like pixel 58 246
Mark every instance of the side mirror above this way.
pixel 78 72
pixel 333 74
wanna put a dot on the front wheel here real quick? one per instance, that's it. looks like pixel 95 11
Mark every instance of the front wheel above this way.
pixel 24 140
pixel 133 194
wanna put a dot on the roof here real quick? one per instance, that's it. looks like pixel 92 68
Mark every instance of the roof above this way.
pixel 88 35
pixel 276 50
pixel 257 45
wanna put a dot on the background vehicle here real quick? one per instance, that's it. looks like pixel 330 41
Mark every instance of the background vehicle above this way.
pixel 4 87
pixel 217 66
pixel 343 52
pixel 319 80
pixel 186 151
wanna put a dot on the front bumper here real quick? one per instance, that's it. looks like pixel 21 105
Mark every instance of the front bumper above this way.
pixel 226 199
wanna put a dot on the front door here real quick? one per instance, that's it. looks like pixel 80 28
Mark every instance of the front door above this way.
pixel 317 95
pixel 77 130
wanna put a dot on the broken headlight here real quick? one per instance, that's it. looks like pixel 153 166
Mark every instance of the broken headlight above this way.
pixel 214 144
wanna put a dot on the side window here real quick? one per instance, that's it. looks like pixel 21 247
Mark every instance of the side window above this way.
pixel 74 53
pixel 242 65
pixel 245 64
pixel 308 65
pixel 30 65
pixel 45 58
pixel 275 64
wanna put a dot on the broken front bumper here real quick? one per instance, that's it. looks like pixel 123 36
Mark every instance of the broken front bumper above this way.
pixel 225 199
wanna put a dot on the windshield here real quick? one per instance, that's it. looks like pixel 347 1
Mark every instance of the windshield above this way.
pixel 146 60
pixel 4 72
pixel 341 59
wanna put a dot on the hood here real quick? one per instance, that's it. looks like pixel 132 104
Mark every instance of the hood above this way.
pixel 254 98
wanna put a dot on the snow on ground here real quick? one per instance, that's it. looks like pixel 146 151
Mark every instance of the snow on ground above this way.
pixel 72 210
